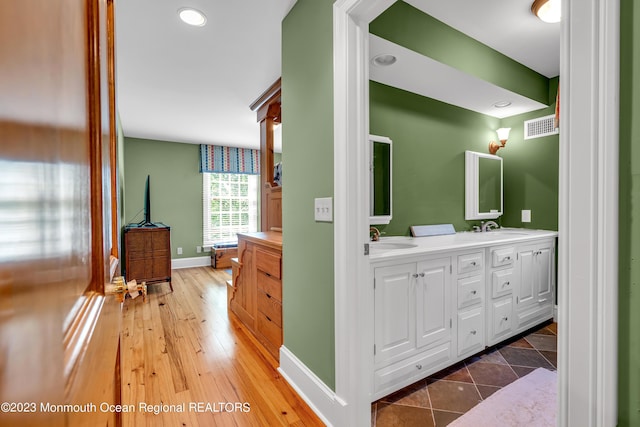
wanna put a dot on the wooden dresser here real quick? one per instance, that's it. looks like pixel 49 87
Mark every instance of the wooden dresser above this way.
pixel 148 253
pixel 256 289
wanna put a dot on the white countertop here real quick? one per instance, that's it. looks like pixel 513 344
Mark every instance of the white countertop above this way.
pixel 402 246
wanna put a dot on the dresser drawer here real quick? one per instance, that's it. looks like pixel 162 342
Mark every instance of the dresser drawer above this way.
pixel 502 282
pixel 268 329
pixel 502 257
pixel 268 262
pixel 469 263
pixel 470 291
pixel 270 307
pixel 269 285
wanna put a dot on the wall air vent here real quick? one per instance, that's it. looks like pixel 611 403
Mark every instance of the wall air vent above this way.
pixel 539 127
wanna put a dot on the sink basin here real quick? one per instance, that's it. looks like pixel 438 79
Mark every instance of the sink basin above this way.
pixel 387 246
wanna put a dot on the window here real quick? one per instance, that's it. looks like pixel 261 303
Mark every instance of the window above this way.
pixel 230 206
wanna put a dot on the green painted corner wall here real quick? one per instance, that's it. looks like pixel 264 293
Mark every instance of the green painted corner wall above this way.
pixel 429 140
pixel 409 27
pixel 629 250
pixel 176 189
pixel 531 172
pixel 307 140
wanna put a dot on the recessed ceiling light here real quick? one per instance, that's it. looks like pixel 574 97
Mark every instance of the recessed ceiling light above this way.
pixel 192 16
pixel 384 60
pixel 502 104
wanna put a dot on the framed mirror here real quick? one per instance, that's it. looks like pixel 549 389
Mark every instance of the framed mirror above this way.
pixel 380 178
pixel 483 186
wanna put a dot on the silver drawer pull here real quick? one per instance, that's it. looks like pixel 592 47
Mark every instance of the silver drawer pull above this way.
pixel 542 300
pixel 506 284
pixel 473 292
pixel 473 332
pixel 415 275
pixel 421 274
pixel 473 263
pixel 507 258
pixel 505 318
pixel 419 366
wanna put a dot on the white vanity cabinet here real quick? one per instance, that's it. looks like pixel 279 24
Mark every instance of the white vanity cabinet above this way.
pixel 412 321
pixel 536 279
pixel 437 306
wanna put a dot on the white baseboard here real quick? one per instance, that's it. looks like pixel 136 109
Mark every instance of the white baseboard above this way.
pixel 198 261
pixel 555 313
pixel 320 398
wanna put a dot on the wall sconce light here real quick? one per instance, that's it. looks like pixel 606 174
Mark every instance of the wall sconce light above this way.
pixel 547 10
pixel 503 135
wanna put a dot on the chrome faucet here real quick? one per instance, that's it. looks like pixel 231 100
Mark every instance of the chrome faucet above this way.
pixel 489 225
pixel 374 234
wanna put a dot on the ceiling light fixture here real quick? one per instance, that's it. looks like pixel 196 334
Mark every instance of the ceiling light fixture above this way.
pixel 192 17
pixel 547 10
pixel 502 104
pixel 384 60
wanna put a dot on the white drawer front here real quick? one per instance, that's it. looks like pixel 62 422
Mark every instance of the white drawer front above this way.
pixel 470 263
pixel 471 330
pixel 502 257
pixel 503 282
pixel 409 370
pixel 502 316
pixel 470 291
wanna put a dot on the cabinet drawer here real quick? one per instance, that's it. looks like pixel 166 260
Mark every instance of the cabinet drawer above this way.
pixel 268 262
pixel 270 307
pixel 406 371
pixel 470 330
pixel 268 329
pixel 269 285
pixel 470 291
pixel 502 281
pixel 469 263
pixel 502 257
pixel 502 317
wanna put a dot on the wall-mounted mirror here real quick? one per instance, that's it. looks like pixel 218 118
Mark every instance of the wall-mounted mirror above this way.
pixel 483 186
pixel 380 204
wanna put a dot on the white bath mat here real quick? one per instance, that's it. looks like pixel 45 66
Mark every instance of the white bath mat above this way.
pixel 529 401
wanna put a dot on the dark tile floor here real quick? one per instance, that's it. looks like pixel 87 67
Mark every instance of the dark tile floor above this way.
pixel 444 396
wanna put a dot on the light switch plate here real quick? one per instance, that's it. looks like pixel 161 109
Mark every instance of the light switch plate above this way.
pixel 323 209
pixel 526 215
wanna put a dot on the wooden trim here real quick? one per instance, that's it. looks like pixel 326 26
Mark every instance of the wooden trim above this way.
pixel 95 146
pixel 268 96
pixel 113 133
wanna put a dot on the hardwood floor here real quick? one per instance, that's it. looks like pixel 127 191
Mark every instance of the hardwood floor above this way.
pixel 186 362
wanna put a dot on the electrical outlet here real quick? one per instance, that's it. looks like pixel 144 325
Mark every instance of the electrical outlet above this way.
pixel 323 209
pixel 179 251
pixel 198 249
pixel 526 215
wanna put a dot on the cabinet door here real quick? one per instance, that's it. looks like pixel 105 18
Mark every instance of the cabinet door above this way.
pixel 433 301
pixel 395 324
pixel 544 270
pixel 526 277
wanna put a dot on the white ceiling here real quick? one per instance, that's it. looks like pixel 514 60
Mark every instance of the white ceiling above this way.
pixel 195 84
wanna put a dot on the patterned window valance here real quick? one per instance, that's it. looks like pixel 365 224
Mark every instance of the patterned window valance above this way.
pixel 214 158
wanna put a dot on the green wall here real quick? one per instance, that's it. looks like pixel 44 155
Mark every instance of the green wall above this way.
pixel 176 189
pixel 307 134
pixel 531 172
pixel 429 140
pixel 409 27
pixel 629 251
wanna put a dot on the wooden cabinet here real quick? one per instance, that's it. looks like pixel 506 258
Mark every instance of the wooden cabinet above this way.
pixel 148 253
pixel 257 287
